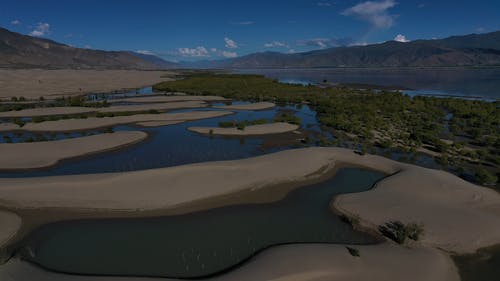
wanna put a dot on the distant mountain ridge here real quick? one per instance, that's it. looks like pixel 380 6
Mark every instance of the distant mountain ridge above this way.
pixel 22 51
pixel 467 50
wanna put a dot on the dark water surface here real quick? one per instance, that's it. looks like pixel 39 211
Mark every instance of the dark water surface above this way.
pixel 202 243
pixel 469 82
pixel 174 145
pixel 481 266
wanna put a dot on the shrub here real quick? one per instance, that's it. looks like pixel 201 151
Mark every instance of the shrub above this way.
pixel 227 124
pixel 353 251
pixel 400 233
pixel 484 177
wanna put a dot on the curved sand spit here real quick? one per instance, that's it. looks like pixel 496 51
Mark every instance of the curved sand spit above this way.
pixel 48 153
pixel 94 122
pixel 175 98
pixel 250 106
pixel 298 263
pixel 67 110
pixel 47 111
pixel 4 127
pixel 262 129
pixel 457 216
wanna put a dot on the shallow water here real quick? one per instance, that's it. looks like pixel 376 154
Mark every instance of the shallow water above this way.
pixel 482 266
pixel 174 145
pixel 202 243
pixel 457 81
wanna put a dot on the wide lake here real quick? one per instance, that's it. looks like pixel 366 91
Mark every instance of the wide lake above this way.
pixel 467 82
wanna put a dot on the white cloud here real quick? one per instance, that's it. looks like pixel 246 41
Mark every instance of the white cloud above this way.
pixel 146 52
pixel 374 12
pixel 276 44
pixel 41 29
pixel 227 54
pixel 326 42
pixel 213 50
pixel 231 44
pixel 401 38
pixel 195 52
pixel 292 51
pixel 15 22
pixel 87 47
pixel 480 29
pixel 243 22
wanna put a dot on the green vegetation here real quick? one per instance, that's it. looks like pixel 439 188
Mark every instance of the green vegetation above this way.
pixel 484 177
pixel 400 233
pixel 458 130
pixel 287 117
pixel 353 251
pixel 241 125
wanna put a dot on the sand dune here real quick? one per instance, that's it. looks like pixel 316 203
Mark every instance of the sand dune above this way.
pixel 34 83
pixel 250 106
pixel 263 129
pixel 48 153
pixel 457 216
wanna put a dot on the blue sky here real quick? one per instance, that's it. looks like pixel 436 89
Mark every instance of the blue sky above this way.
pixel 195 30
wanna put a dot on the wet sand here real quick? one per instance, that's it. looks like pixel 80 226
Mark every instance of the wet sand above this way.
pixel 253 130
pixel 47 111
pixel 34 83
pixel 48 153
pixel 10 223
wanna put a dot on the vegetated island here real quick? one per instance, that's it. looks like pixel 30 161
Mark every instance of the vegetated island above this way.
pixel 462 135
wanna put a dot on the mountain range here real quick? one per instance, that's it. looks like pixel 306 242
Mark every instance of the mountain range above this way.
pixel 23 51
pixel 468 50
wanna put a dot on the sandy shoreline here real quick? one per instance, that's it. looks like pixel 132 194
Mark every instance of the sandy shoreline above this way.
pixel 34 83
pixel 250 106
pixel 66 125
pixel 48 153
pixel 253 130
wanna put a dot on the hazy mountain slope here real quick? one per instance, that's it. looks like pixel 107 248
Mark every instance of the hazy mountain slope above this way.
pixel 468 50
pixel 22 51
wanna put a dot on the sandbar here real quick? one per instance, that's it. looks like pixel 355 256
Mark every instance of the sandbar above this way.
pixel 34 83
pixel 44 154
pixel 47 111
pixel 67 110
pixel 250 106
pixel 261 129
pixel 95 122
pixel 173 98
